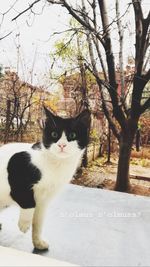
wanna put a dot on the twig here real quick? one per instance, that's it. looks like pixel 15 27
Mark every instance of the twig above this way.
pixel 1 38
pixel 25 10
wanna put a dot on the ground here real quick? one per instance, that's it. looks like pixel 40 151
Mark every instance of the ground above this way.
pixel 100 174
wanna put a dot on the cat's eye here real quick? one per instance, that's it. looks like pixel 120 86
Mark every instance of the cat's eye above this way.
pixel 54 134
pixel 72 135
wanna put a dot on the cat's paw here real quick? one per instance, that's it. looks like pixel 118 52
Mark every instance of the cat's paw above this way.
pixel 24 226
pixel 40 244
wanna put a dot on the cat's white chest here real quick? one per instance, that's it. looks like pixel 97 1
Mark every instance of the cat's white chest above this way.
pixel 54 175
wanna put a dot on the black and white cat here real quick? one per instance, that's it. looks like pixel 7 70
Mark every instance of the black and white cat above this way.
pixel 30 175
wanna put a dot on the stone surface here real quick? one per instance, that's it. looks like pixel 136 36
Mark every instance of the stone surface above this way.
pixel 13 257
pixel 89 227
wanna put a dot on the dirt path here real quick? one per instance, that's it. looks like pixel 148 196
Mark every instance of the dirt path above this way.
pixel 101 175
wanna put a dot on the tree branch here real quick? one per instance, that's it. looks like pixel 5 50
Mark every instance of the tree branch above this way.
pixel 1 38
pixel 106 111
pixel 78 18
pixel 139 83
pixel 146 77
pixel 142 35
pixel 117 110
pixel 107 114
pixel 145 106
pixel 142 42
pixel 120 32
pixel 25 10
pixel 95 41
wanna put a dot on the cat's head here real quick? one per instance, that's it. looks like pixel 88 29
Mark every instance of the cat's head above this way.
pixel 65 137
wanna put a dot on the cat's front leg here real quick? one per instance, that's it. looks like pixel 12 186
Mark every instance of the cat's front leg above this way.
pixel 37 224
pixel 25 219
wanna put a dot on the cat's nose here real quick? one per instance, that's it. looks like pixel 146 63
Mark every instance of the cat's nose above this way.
pixel 62 145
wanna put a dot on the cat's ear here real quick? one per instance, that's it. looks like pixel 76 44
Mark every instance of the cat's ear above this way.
pixel 84 117
pixel 47 112
pixel 50 116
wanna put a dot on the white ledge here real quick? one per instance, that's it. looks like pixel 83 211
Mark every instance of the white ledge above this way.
pixel 13 257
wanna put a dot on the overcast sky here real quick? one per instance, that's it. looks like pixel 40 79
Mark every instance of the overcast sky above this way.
pixel 33 34
pixel 35 42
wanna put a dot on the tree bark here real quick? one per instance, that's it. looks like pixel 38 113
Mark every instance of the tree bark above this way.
pixel 85 159
pixel 121 36
pixel 125 148
pixel 123 182
pixel 138 139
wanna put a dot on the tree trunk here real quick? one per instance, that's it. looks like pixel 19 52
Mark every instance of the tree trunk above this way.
pixel 101 150
pixel 109 145
pixel 125 148
pixel 85 159
pixel 138 139
pixel 7 125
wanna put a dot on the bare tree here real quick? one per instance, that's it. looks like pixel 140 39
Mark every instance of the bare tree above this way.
pixel 16 102
pixel 99 30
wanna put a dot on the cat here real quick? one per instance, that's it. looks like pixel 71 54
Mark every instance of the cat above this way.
pixel 32 174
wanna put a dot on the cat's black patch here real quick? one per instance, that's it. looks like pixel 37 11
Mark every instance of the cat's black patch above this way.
pixel 37 146
pixel 22 175
pixel 79 125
